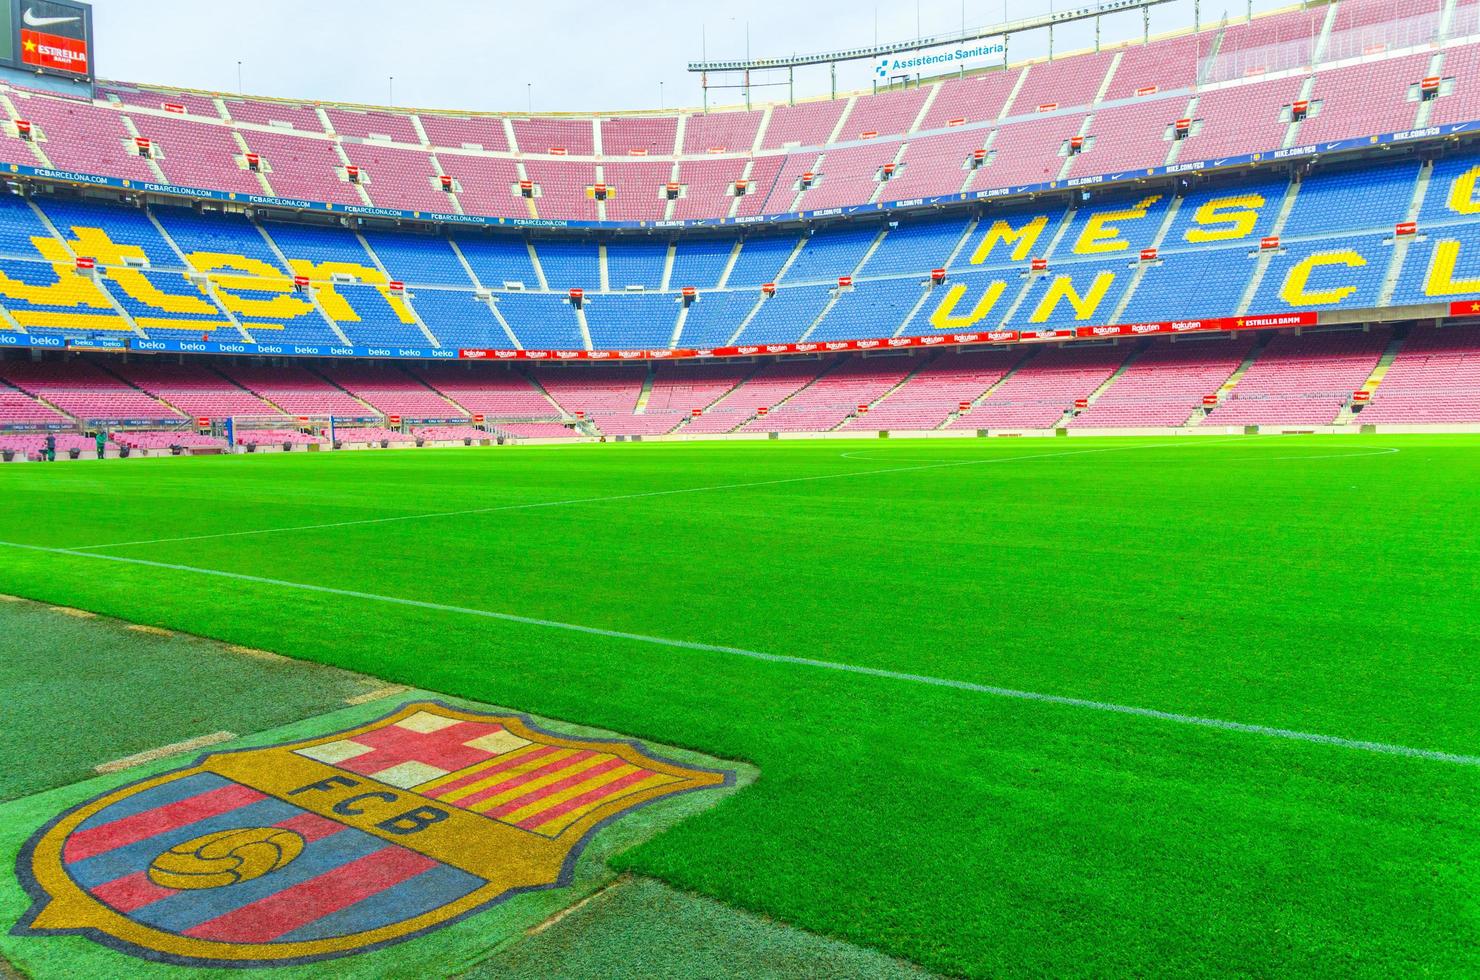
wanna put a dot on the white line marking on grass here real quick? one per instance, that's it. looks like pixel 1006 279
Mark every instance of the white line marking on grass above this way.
pixel 602 500
pixel 1380 452
pixel 175 748
pixel 1383 748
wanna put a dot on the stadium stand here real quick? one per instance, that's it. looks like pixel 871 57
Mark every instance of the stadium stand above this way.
pixel 1322 237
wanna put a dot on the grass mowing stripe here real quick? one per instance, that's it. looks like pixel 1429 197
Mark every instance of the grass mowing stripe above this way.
pixel 1337 741
pixel 611 499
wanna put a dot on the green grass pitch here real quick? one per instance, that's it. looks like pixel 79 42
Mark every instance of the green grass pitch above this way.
pixel 1324 585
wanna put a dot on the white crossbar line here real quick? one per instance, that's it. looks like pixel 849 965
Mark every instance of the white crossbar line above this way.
pixel 1382 748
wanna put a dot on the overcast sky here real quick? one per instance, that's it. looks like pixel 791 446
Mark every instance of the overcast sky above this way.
pixel 552 54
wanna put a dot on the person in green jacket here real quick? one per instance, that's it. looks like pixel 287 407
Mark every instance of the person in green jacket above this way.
pixel 102 440
pixel 51 448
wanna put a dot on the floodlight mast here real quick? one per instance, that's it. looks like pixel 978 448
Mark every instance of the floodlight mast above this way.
pixel 1003 30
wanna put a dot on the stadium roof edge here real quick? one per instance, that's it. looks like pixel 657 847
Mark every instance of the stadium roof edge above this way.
pixel 165 88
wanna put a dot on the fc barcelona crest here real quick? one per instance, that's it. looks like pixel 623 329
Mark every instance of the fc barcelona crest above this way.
pixel 335 845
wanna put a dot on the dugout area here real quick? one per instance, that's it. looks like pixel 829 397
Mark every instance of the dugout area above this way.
pixel 156 700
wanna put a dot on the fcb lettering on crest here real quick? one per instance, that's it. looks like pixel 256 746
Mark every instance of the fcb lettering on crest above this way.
pixel 335 845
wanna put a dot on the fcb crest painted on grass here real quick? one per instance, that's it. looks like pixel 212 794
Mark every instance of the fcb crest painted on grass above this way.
pixel 339 844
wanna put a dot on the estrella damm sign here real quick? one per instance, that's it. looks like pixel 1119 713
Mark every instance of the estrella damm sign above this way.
pixel 339 844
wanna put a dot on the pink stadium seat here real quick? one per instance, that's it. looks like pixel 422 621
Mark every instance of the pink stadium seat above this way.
pixel 465 132
pixel 849 175
pixel 192 105
pixel 397 178
pixel 1435 379
pixel 1302 380
pixel 834 396
pixel 391 391
pixel 649 135
pixel 977 99
pixel 934 165
pixel 1166 384
pixel 297 391
pixel 371 124
pixel 1365 99
pixel 541 134
pixel 279 115
pixel 84 390
pixel 563 186
pixel 805 124
pixel 708 187
pixel 18 408
pixel 890 113
pixel 301 167
pixel 770 384
pixel 1240 119
pixel 722 132
pixel 1065 82
pixel 1161 66
pixel 935 393
pixel 78 136
pixel 486 185
pixel 1128 137
pixel 196 154
pixel 537 430
pixel 1044 387
pixel 1028 152
pixel 635 189
pixel 194 390
pixel 497 393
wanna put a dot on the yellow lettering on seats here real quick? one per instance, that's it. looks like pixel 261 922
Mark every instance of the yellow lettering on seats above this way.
pixel 70 291
pixel 1462 193
pixel 941 318
pixel 1295 291
pixel 95 242
pixel 258 277
pixel 1063 288
pixel 1025 238
pixel 336 305
pixel 137 285
pixel 1101 235
pixel 1440 279
pixel 1225 219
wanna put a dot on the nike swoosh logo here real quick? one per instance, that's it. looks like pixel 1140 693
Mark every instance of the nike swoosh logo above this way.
pixel 31 20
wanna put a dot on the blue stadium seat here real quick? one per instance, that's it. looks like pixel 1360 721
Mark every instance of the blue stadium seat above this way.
pixel 786 316
pixel 570 265
pixel 871 309
pixel 635 264
pixel 700 263
pixel 915 247
pixel 1324 205
pixel 1327 286
pixel 541 321
pixel 496 261
pixel 830 253
pixel 418 260
pixel 715 316
pixel 639 320
pixel 760 261
pixel 218 234
pixel 457 318
pixel 122 224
